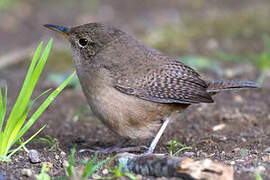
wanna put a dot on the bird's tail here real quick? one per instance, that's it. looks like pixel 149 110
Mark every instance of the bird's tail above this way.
pixel 219 85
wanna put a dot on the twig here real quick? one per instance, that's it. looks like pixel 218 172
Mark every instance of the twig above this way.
pixel 167 166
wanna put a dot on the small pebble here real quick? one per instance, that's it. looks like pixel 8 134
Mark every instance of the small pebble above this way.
pixel 238 99
pixel 26 172
pixel 223 138
pixel 218 127
pixel 232 162
pixel 63 154
pixel 198 153
pixel 138 177
pixel 189 154
pixel 260 169
pixel 105 171
pixel 236 149
pixel 34 156
pixel 56 156
pixel 240 160
pixel 223 152
pixel 65 164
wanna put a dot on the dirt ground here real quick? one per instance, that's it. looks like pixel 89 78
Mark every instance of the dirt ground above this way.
pixel 244 142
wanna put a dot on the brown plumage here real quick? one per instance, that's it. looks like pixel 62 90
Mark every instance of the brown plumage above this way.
pixel 132 87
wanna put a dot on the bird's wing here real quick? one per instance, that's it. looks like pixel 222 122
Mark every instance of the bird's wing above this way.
pixel 168 82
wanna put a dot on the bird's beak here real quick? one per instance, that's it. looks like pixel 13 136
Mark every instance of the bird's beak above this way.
pixel 63 30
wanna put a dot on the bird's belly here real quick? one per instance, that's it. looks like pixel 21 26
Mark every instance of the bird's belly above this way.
pixel 127 115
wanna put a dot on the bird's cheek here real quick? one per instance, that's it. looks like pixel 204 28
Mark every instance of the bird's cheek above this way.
pixel 91 51
pixel 87 54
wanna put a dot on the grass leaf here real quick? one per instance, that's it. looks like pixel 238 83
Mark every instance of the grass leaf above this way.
pixel 91 167
pixel 24 143
pixel 17 124
pixel 173 144
pixel 24 94
pixel 71 162
pixel 44 105
pixel 3 108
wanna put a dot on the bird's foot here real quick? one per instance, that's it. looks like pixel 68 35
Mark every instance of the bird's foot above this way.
pixel 115 149
pixel 153 144
pixel 151 152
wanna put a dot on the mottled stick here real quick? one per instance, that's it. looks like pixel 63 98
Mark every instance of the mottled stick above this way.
pixel 167 166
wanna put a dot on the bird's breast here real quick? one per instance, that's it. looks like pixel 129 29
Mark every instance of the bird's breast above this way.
pixel 124 114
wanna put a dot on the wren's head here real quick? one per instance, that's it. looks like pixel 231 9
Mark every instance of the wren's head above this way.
pixel 88 39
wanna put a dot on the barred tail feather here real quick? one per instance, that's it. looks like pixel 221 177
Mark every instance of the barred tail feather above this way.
pixel 219 85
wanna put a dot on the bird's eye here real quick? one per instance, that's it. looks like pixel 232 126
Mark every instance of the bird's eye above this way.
pixel 83 42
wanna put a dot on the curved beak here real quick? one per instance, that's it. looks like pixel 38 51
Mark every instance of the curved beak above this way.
pixel 63 30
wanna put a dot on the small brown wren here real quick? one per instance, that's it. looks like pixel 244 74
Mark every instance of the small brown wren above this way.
pixel 132 88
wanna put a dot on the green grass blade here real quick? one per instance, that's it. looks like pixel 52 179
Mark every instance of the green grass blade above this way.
pixel 183 148
pixel 37 72
pixel 40 65
pixel 71 162
pixel 44 173
pixel 258 176
pixel 23 98
pixel 173 143
pixel 1 140
pixel 18 108
pixel 42 94
pixel 2 118
pixel 7 141
pixel 88 171
pixel 3 108
pixel 130 176
pixel 44 105
pixel 15 126
pixel 14 135
pixel 172 146
pixel 27 89
pixel 89 167
pixel 28 140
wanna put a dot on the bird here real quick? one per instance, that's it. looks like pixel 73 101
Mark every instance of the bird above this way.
pixel 134 89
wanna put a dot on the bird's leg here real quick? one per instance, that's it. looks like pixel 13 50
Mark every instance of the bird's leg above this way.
pixel 157 137
pixel 116 148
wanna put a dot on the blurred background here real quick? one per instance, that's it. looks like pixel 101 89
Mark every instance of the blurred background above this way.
pixel 203 33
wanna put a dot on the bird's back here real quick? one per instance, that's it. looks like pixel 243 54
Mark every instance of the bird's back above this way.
pixel 148 74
